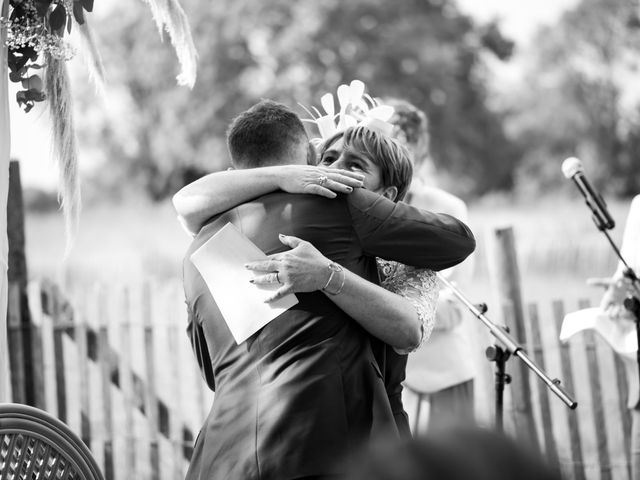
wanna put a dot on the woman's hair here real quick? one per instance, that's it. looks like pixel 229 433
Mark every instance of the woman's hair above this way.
pixel 390 155
pixel 411 127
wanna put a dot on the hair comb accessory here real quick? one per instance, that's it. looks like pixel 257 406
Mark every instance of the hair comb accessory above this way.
pixel 355 108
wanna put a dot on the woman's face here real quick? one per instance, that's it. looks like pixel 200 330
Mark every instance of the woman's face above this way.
pixel 336 156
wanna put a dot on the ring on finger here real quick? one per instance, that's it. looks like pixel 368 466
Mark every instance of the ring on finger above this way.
pixel 322 180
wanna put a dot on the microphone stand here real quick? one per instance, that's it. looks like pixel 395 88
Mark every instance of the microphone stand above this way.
pixel 501 355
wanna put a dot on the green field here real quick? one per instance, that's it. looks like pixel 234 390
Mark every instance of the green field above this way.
pixel 558 246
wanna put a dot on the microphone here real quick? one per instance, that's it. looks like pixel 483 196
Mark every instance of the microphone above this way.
pixel 573 170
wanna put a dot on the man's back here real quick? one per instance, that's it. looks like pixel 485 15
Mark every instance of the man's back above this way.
pixel 301 392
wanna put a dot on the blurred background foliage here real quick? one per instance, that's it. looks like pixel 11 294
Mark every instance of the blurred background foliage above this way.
pixel 576 94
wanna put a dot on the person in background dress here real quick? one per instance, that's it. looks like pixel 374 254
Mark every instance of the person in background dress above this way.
pixel 445 368
pixel 618 288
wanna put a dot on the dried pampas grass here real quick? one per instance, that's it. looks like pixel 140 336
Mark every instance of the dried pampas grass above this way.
pixel 93 57
pixel 170 17
pixel 58 91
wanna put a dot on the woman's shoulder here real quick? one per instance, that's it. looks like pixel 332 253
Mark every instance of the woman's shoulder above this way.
pixel 396 274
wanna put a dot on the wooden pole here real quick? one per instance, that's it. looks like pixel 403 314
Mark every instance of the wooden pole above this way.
pixel 5 151
pixel 21 352
pixel 504 271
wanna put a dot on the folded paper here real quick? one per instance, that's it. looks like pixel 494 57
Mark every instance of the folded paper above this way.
pixel 221 262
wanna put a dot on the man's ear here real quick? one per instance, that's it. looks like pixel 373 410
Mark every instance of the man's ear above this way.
pixel 391 193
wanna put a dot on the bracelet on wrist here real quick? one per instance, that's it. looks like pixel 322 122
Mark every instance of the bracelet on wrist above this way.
pixel 336 271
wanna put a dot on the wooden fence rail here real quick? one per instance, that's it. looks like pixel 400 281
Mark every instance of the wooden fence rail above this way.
pixel 591 442
pixel 114 363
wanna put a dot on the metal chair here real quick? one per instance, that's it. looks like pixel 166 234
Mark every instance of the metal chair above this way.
pixel 35 445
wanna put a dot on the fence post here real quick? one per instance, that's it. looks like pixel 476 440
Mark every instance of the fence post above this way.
pixel 503 266
pixel 22 353
pixel 577 471
pixel 104 361
pixel 16 345
pixel 550 448
pixel 150 364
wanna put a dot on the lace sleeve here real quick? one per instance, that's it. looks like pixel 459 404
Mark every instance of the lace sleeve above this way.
pixel 419 286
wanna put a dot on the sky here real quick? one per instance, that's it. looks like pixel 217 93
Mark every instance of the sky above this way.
pixel 517 21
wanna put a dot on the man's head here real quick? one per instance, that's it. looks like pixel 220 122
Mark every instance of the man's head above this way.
pixel 383 160
pixel 269 133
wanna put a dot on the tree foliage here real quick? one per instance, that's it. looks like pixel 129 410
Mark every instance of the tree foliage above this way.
pixel 428 52
pixel 581 97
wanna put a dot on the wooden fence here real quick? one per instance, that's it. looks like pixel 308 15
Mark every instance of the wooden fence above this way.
pixel 114 363
pixel 592 441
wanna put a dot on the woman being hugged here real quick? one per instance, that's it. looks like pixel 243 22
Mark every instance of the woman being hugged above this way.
pixel 358 156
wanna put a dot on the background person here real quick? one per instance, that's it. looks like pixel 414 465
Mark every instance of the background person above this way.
pixel 618 288
pixel 303 391
pixel 445 369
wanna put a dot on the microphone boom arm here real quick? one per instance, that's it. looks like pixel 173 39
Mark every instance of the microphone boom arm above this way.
pixel 512 346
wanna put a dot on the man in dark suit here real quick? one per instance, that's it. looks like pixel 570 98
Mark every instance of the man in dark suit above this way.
pixel 306 389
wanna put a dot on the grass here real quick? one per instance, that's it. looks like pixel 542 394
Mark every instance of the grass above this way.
pixel 137 239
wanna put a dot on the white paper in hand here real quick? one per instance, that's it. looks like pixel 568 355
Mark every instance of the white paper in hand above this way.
pixel 221 261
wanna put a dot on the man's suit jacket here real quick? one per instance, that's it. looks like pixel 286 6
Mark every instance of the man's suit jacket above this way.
pixel 304 390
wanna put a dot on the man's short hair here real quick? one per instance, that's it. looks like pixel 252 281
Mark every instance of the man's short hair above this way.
pixel 266 134
pixel 389 154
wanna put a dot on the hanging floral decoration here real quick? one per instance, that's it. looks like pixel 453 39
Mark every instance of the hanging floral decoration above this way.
pixel 35 32
pixel 35 29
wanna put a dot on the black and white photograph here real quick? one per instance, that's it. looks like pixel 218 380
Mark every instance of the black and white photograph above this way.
pixel 319 240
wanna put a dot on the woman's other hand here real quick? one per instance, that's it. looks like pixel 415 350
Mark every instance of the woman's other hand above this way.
pixel 301 269
pixel 322 181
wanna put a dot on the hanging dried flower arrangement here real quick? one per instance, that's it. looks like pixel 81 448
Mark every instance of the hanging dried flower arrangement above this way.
pixel 35 42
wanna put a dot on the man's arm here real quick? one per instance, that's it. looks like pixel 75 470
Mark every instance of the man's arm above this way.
pixel 435 199
pixel 400 232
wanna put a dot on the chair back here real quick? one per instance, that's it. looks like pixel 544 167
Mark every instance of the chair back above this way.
pixel 34 444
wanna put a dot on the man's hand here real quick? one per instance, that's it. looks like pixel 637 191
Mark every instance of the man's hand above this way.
pixel 322 181
pixel 302 269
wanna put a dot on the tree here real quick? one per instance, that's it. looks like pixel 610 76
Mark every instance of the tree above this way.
pixel 426 51
pixel 580 96
pixel 31 38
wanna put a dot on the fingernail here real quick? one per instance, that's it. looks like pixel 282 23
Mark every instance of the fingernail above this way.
pixel 349 189
pixel 281 235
